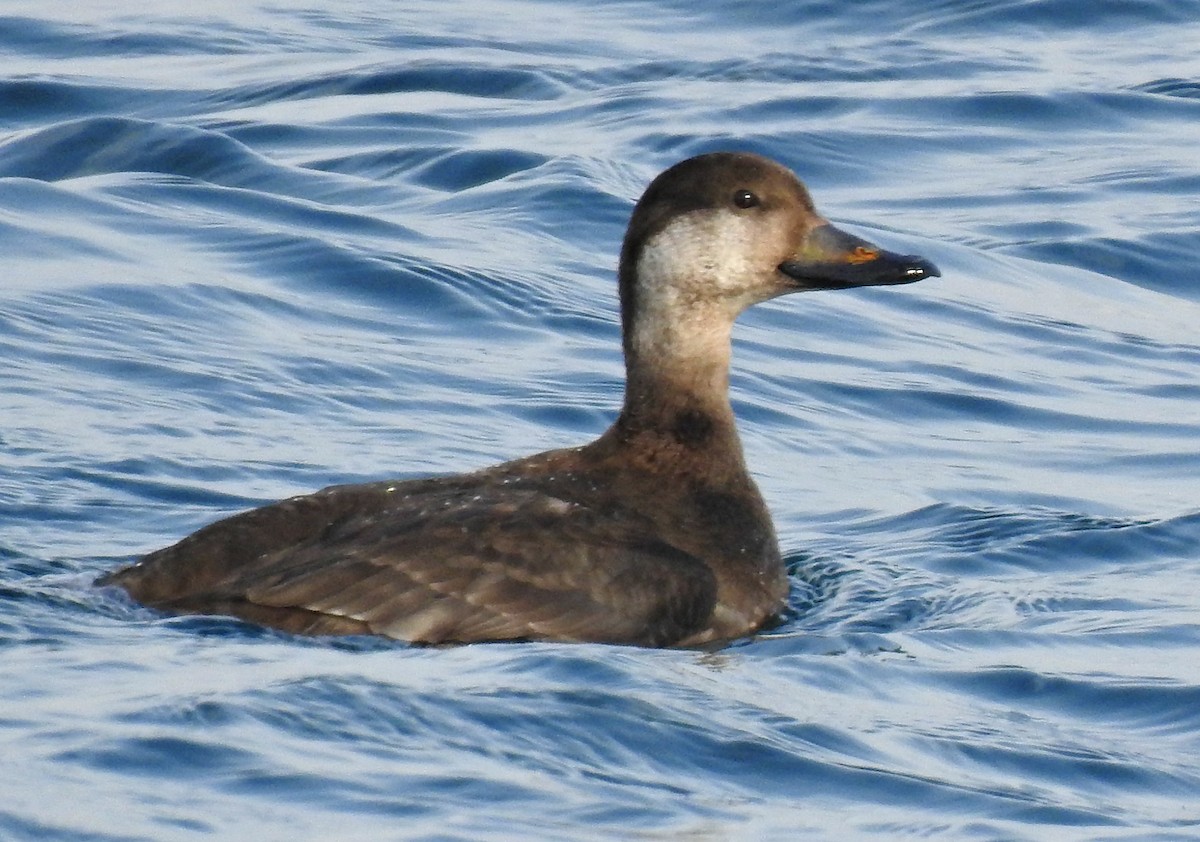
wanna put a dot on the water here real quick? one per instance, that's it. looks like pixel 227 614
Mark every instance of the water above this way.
pixel 254 250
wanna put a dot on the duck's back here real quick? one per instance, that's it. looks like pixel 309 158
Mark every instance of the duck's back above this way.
pixel 529 550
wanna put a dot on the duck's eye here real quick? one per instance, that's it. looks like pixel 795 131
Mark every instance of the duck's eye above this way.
pixel 745 199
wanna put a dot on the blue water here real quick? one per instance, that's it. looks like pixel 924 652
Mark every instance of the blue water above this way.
pixel 249 250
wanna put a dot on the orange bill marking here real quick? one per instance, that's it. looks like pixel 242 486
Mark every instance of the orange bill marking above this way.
pixel 861 254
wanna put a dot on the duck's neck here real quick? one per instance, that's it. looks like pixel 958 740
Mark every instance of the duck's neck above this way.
pixel 677 393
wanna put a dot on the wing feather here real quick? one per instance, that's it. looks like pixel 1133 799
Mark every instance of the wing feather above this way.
pixel 503 565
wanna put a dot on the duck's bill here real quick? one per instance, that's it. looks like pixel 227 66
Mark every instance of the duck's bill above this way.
pixel 830 258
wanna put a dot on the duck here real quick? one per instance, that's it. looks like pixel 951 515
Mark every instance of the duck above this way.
pixel 654 534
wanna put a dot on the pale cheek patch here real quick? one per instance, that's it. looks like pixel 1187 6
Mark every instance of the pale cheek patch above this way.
pixel 699 256
pixel 694 277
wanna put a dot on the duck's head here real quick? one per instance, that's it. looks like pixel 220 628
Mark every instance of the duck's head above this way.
pixel 719 232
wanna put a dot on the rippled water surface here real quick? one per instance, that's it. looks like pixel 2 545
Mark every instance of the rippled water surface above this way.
pixel 254 249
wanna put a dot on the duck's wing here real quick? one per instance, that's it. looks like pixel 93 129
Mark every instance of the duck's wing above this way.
pixel 454 565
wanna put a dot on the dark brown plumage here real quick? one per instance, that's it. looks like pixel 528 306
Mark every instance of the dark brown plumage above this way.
pixel 654 534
